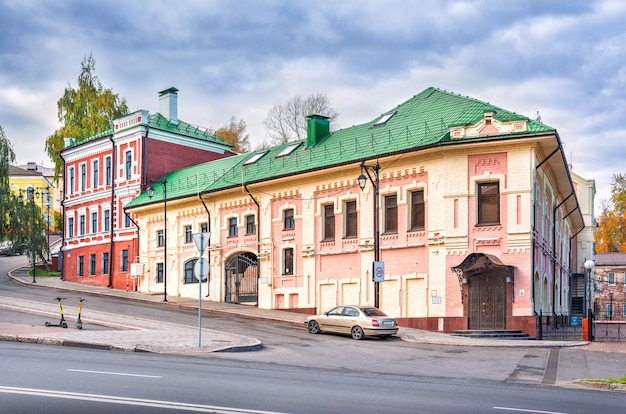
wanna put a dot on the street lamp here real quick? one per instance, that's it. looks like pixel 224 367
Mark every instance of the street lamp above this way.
pixel 589 265
pixel 30 195
pixel 378 270
pixel 150 191
pixel 611 298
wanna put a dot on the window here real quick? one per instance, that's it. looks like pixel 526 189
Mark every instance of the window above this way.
pixel 289 149
pixel 288 261
pixel 609 311
pixel 107 220
pixel 127 220
pixel 489 203
pixel 232 227
pixel 94 222
pixel 188 276
pixel 128 168
pixel 124 264
pixel 254 158
pixel 92 265
pixel 96 174
pixel 83 177
pixel 351 219
pixel 204 228
pixel 250 225
pixel 160 238
pixel 623 309
pixel 81 266
pixel 611 278
pixel 81 224
pixel 383 119
pixel 70 227
pixel 72 181
pixel 288 219
pixel 105 263
pixel 107 171
pixel 329 222
pixel 417 210
pixel 391 214
pixel 159 273
pixel 188 237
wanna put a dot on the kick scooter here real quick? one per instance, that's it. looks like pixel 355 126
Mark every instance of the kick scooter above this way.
pixel 79 323
pixel 62 323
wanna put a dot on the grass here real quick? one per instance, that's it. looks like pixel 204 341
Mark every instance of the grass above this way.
pixel 44 273
pixel 609 380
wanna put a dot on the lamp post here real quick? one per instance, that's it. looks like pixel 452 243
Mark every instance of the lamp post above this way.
pixel 30 195
pixel 611 299
pixel 150 190
pixel 589 265
pixel 377 267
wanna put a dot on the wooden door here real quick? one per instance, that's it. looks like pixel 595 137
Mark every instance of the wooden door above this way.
pixel 487 302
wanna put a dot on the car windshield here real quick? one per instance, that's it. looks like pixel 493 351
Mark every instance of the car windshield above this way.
pixel 372 312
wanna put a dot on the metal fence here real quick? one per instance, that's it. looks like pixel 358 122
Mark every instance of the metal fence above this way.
pixel 559 328
pixel 609 322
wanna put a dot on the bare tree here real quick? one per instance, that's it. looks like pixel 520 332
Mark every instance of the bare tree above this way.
pixel 287 122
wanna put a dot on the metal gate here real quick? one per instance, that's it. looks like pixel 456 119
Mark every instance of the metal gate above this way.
pixel 242 278
pixel 487 304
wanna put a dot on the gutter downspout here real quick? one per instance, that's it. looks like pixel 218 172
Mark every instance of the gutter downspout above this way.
pixel 208 212
pixel 63 193
pixel 111 242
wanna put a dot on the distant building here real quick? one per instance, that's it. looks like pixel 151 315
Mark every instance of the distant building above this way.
pixel 44 190
pixel 607 281
pixel 469 208
pixel 105 172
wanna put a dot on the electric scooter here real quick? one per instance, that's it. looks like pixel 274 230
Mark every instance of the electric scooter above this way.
pixel 79 323
pixel 62 323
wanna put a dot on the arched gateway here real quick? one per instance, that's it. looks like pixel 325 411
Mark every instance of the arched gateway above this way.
pixel 241 275
pixel 484 280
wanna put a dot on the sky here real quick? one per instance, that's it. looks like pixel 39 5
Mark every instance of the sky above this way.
pixel 564 60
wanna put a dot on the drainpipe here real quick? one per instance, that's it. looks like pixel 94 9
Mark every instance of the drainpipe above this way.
pixel 258 234
pixel 208 212
pixel 112 224
pixel 63 192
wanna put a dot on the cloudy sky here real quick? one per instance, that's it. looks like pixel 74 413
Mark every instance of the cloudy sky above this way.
pixel 565 60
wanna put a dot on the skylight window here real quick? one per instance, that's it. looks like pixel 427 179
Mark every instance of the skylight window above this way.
pixel 289 149
pixel 255 158
pixel 383 119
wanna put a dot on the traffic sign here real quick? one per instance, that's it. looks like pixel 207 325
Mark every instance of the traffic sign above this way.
pixel 201 269
pixel 378 273
pixel 201 240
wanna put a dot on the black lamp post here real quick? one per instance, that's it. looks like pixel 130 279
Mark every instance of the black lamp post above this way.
pixel 589 265
pixel 362 179
pixel 150 191
pixel 30 195
pixel 611 299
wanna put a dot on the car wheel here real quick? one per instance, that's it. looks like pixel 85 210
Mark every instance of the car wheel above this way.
pixel 314 327
pixel 357 332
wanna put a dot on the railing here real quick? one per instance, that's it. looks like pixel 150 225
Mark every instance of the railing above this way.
pixel 559 328
pixel 610 326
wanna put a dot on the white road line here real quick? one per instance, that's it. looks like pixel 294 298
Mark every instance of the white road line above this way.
pixel 524 410
pixel 110 399
pixel 113 373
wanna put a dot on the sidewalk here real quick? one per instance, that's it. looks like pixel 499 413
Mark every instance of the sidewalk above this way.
pixel 137 334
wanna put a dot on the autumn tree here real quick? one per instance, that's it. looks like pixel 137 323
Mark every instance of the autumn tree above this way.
pixel 610 235
pixel 287 121
pixel 234 132
pixel 7 199
pixel 84 112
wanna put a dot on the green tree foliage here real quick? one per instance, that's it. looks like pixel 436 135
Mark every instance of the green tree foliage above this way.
pixel 7 198
pixel 610 235
pixel 234 132
pixel 84 112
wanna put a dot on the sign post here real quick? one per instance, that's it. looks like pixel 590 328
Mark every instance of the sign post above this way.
pixel 200 271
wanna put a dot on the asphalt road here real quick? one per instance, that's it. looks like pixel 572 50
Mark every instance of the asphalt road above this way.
pixel 66 380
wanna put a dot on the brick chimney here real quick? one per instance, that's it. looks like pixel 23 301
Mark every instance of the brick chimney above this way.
pixel 168 104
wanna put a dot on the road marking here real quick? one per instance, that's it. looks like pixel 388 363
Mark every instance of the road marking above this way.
pixel 114 373
pixel 523 410
pixel 110 399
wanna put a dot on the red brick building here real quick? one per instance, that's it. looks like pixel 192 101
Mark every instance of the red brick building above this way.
pixel 105 172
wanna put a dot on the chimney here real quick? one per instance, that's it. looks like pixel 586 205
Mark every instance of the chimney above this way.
pixel 317 127
pixel 168 104
pixel 31 166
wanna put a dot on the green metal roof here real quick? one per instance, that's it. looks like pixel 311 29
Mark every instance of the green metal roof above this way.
pixel 422 121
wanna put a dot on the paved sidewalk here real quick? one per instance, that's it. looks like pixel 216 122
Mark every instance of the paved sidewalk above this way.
pixel 137 334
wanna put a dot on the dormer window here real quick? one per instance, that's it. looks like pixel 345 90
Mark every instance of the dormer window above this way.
pixel 383 119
